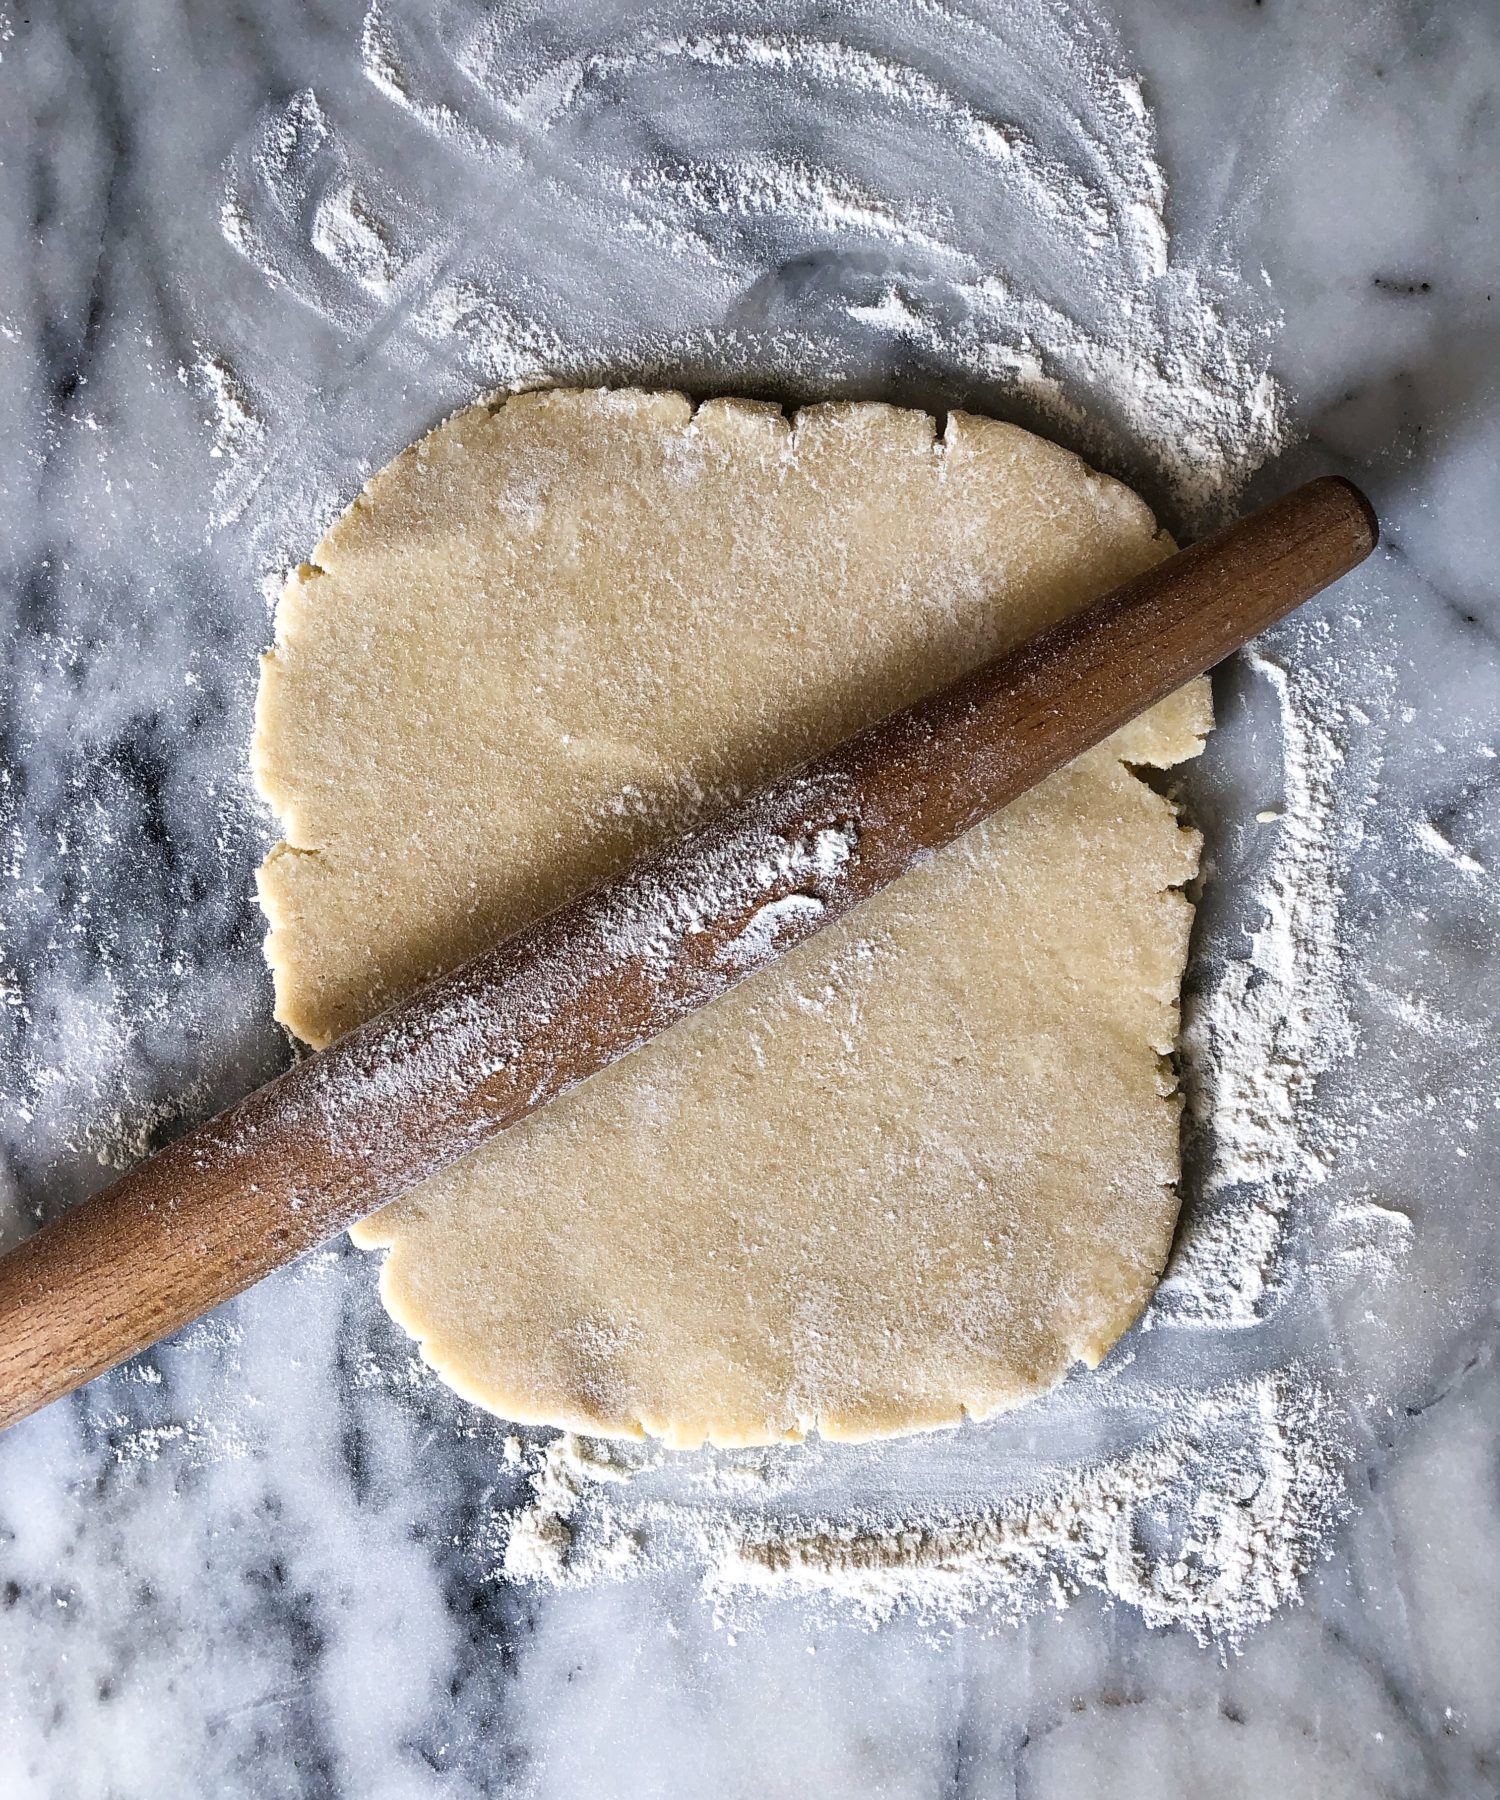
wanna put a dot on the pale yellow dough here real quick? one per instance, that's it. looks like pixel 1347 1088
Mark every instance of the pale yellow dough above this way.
pixel 918 1169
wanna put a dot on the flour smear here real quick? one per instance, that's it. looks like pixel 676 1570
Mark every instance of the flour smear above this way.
pixel 980 217
pixel 981 214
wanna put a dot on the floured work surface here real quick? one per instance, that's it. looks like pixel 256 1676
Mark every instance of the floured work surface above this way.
pixel 917 1169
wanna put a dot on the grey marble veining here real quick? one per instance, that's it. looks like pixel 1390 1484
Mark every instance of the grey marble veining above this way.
pixel 256 1561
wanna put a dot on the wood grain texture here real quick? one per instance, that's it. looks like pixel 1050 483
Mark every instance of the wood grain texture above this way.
pixel 404 1096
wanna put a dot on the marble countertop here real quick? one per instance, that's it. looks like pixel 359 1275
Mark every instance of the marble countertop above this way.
pixel 248 254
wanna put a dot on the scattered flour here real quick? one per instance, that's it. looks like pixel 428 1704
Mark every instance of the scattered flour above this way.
pixel 540 1539
pixel 981 218
pixel 350 235
pixel 199 1441
pixel 1279 1018
pixel 235 425
pixel 508 350
pixel 1433 840
pixel 1210 1522
pixel 799 912
pixel 1268 1027
pixel 236 428
pixel 1360 1241
pixel 1211 1525
pixel 946 228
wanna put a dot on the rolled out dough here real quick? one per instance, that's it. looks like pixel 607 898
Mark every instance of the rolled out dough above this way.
pixel 916 1170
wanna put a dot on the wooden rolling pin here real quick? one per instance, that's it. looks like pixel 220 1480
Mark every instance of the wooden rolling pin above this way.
pixel 407 1094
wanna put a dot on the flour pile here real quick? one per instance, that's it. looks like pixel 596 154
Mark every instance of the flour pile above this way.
pixel 1208 1522
pixel 1275 1021
pixel 1239 1493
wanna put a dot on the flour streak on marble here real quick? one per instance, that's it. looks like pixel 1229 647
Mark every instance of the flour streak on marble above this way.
pixel 263 1559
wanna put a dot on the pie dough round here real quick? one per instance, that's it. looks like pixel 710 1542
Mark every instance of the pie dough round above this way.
pixel 914 1171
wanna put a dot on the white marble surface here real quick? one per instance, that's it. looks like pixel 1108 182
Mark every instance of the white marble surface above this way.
pixel 260 1560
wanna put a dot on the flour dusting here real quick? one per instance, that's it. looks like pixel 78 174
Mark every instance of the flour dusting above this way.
pixel 953 237
pixel 1438 844
pixel 1270 1025
pixel 539 1541
pixel 1209 1522
pixel 950 236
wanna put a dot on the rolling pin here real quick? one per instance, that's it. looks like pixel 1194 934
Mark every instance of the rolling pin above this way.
pixel 404 1096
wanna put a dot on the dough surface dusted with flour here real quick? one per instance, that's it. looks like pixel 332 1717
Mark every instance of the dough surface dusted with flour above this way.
pixel 924 1164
